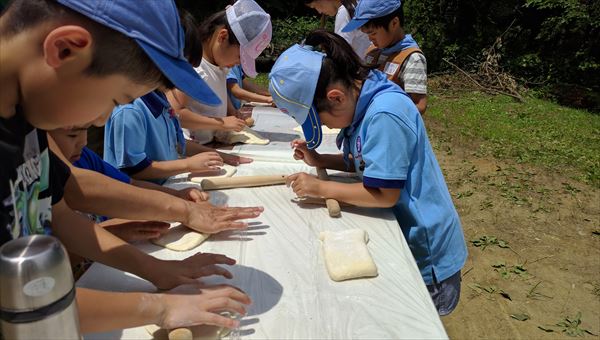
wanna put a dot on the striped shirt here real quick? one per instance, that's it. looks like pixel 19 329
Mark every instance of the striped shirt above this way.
pixel 413 75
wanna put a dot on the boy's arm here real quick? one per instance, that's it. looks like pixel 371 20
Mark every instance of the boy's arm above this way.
pixel 190 194
pixel 84 238
pixel 243 94
pixel 420 101
pixel 184 306
pixel 92 192
pixel 165 169
pixel 192 148
pixel 414 77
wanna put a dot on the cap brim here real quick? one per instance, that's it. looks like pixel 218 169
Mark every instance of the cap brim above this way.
pixel 354 24
pixel 182 75
pixel 312 129
pixel 248 64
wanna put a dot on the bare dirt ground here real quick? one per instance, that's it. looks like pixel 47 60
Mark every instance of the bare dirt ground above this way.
pixel 549 266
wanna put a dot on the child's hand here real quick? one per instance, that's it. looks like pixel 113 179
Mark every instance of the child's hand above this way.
pixel 235 160
pixel 132 231
pixel 203 161
pixel 233 123
pixel 301 151
pixel 167 274
pixel 193 195
pixel 304 185
pixel 195 304
pixel 207 218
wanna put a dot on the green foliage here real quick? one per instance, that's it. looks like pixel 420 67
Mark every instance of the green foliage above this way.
pixel 485 241
pixel 536 132
pixel 569 326
pixel 549 41
pixel 290 31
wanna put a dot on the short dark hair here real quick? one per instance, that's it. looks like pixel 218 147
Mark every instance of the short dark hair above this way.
pixel 213 23
pixel 113 52
pixel 385 20
pixel 341 64
pixel 193 46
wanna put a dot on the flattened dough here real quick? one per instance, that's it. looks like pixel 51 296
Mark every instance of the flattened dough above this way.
pixel 246 136
pixel 346 254
pixel 225 171
pixel 202 332
pixel 324 129
pixel 180 238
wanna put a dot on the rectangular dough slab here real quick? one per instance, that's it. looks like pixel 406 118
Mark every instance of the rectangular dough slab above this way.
pixel 346 254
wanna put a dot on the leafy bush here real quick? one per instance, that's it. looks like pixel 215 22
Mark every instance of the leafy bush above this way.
pixel 544 41
pixel 292 30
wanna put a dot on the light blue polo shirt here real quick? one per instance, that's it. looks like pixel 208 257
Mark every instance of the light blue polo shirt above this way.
pixel 390 148
pixel 235 75
pixel 139 133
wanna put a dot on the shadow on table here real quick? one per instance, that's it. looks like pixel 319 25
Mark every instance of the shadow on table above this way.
pixel 254 229
pixel 264 290
pixel 278 136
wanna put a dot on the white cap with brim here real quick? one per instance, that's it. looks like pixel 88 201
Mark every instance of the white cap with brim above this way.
pixel 292 84
pixel 252 28
pixel 155 26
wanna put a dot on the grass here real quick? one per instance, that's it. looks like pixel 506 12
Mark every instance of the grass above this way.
pixel 536 132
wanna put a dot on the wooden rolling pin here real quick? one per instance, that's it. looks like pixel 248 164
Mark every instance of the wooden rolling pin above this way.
pixel 333 206
pixel 241 182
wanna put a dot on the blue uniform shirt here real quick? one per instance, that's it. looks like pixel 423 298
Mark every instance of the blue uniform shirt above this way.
pixel 91 161
pixel 391 149
pixel 141 132
pixel 235 75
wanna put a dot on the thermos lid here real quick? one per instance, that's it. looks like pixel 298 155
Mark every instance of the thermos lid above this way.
pixel 34 272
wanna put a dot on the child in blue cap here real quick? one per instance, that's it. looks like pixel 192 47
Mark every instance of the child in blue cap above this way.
pixel 384 141
pixel 393 52
pixel 69 62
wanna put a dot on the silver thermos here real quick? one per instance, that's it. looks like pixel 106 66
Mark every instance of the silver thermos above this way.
pixel 37 293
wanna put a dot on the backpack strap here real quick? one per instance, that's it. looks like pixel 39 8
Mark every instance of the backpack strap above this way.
pixel 372 57
pixel 392 68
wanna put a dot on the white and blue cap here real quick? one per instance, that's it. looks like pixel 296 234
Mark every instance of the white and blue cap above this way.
pixel 155 26
pixel 292 84
pixel 370 9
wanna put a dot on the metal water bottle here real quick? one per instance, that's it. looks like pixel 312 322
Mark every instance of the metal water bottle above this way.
pixel 37 293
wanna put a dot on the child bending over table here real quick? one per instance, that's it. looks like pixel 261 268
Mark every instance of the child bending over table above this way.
pixel 384 141
pixel 231 37
pixel 59 68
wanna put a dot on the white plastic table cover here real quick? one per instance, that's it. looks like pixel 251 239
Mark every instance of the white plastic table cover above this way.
pixel 280 264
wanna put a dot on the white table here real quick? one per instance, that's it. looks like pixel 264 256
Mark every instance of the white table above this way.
pixel 281 266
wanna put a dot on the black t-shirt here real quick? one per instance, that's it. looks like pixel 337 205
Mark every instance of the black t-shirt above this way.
pixel 32 179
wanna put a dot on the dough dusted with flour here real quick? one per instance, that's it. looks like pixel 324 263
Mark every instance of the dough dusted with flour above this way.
pixel 346 254
pixel 201 332
pixel 246 136
pixel 181 238
pixel 225 171
pixel 324 129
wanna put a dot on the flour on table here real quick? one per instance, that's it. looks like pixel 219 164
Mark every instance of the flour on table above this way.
pixel 225 171
pixel 324 129
pixel 246 136
pixel 201 332
pixel 346 254
pixel 180 238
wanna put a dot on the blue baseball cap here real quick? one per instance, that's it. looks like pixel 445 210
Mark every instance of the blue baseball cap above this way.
pixel 370 9
pixel 292 84
pixel 155 26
